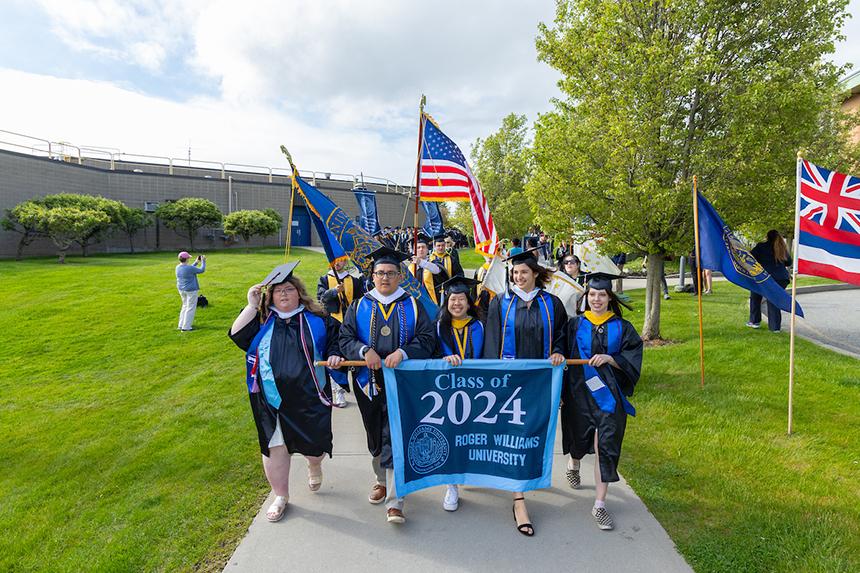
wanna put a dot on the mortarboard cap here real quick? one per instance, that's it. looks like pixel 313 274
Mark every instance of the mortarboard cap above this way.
pixel 459 284
pixel 422 238
pixel 439 237
pixel 524 256
pixel 388 256
pixel 280 273
pixel 601 281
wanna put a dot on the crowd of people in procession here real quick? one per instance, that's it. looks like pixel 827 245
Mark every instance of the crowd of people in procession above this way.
pixel 283 331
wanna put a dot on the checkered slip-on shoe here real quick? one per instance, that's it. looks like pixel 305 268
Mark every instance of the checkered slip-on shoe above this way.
pixel 573 478
pixel 602 518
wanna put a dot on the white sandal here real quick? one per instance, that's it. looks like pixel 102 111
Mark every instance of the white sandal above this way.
pixel 315 480
pixel 277 509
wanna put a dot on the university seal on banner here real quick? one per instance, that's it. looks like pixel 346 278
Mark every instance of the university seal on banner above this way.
pixel 428 449
pixel 742 260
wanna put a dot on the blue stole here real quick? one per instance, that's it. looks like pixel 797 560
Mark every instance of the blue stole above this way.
pixel 476 333
pixel 509 320
pixel 596 385
pixel 367 317
pixel 258 367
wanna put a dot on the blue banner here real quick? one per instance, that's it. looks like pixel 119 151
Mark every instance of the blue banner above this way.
pixel 433 220
pixel 488 423
pixel 366 200
pixel 722 251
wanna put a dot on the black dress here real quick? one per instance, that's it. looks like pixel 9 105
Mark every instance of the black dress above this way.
pixel 374 411
pixel 528 328
pixel 305 419
pixel 580 415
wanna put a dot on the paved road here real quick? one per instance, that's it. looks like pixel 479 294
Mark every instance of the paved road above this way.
pixel 832 320
pixel 338 530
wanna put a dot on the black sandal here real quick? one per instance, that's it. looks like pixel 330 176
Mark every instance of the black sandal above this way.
pixel 526 529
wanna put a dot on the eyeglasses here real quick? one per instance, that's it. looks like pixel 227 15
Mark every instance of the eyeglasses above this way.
pixel 385 274
pixel 285 290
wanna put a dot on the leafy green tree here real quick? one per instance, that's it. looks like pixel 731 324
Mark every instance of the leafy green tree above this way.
pixel 250 223
pixel 188 215
pixel 655 92
pixel 111 208
pixel 502 164
pixel 64 224
pixel 132 220
pixel 14 221
pixel 274 215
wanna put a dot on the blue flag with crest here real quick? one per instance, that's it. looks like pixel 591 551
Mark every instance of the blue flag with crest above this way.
pixel 722 251
pixel 366 200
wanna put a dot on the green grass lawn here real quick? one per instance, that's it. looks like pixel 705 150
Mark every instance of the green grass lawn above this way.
pixel 130 446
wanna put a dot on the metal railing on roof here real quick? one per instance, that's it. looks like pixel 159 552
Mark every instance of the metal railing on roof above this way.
pixel 64 151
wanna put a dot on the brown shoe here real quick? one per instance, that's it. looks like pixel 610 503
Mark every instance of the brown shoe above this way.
pixel 377 494
pixel 396 516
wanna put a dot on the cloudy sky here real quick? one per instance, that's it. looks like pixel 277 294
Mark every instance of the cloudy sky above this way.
pixel 337 81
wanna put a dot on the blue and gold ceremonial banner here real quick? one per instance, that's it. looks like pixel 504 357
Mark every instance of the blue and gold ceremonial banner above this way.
pixel 722 251
pixel 488 423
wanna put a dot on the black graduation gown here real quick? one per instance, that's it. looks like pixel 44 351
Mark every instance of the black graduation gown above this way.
pixel 447 334
pixel 528 326
pixel 329 298
pixel 580 415
pixel 305 420
pixel 374 412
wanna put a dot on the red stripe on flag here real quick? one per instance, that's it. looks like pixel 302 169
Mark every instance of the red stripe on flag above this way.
pixel 447 196
pixel 835 235
pixel 441 169
pixel 827 271
pixel 439 182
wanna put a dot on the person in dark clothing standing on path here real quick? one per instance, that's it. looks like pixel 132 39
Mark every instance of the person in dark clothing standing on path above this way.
pixel 773 256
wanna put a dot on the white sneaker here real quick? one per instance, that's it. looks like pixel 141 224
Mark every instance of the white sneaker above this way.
pixel 339 398
pixel 452 498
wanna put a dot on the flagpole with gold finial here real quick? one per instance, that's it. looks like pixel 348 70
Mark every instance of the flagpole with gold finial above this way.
pixel 699 279
pixel 794 292
pixel 418 172
pixel 294 185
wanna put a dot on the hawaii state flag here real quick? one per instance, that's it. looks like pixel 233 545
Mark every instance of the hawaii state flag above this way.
pixel 829 224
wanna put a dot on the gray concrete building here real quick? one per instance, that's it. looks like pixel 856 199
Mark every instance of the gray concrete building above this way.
pixel 25 176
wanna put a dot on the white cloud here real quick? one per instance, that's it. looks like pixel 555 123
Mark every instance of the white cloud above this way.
pixel 91 113
pixel 339 78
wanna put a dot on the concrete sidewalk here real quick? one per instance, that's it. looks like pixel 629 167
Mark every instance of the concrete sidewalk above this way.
pixel 337 530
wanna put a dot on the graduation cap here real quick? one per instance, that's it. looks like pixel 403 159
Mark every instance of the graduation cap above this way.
pixel 280 273
pixel 601 281
pixel 385 255
pixel 422 238
pixel 523 257
pixel 459 284
pixel 440 237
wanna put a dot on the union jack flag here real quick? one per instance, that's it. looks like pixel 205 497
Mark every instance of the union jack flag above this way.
pixel 445 176
pixel 829 225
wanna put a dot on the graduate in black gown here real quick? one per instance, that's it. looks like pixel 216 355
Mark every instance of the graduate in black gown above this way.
pixel 282 335
pixel 387 326
pixel 430 274
pixel 448 260
pixel 336 290
pixel 526 322
pixel 595 401
pixel 459 336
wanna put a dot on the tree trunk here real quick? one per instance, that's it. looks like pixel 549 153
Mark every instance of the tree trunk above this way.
pixel 191 237
pixel 131 242
pixel 62 254
pixel 19 254
pixel 84 246
pixel 653 296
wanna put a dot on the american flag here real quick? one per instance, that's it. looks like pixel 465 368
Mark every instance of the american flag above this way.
pixel 445 176
pixel 829 225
